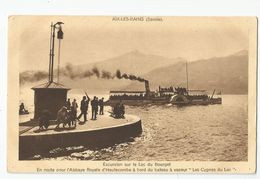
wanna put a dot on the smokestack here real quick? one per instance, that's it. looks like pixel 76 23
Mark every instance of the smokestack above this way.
pixel 147 87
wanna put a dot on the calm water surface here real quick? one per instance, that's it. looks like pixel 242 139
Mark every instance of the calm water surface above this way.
pixel 204 133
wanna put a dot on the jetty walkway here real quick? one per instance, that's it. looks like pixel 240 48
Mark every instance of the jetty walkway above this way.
pixel 104 131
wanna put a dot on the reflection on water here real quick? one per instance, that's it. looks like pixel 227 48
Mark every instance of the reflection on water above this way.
pixel 203 133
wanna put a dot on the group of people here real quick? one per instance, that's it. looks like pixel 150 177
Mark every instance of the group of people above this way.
pixel 84 105
pixel 128 97
pixel 169 89
pixel 67 115
pixel 181 91
pixel 119 110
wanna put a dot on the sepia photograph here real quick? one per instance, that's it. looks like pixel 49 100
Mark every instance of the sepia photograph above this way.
pixel 110 89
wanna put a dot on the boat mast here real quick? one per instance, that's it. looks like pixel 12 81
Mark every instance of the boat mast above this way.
pixel 213 94
pixel 187 78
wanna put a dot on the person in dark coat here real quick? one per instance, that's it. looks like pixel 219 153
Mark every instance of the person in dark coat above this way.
pixel 101 106
pixel 68 104
pixel 116 110
pixel 121 110
pixel 21 108
pixel 44 120
pixel 62 117
pixel 84 107
pixel 74 108
pixel 94 108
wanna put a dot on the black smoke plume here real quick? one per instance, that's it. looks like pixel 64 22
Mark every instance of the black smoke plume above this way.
pixel 32 76
pixel 96 73
pixel 74 73
pixel 69 71
pixel 119 75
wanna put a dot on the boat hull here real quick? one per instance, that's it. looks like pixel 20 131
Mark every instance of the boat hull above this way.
pixel 199 102
pixel 136 102
pixel 162 102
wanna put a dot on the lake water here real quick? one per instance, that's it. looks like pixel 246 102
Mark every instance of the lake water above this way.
pixel 202 133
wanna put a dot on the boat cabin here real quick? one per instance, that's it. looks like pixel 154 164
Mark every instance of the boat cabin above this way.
pixel 127 95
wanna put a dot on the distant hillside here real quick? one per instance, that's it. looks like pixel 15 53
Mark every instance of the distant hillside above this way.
pixel 228 74
pixel 133 62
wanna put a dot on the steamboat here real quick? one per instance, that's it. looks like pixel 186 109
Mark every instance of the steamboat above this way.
pixel 170 95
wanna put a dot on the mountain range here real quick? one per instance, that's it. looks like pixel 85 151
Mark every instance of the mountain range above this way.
pixel 134 62
pixel 228 74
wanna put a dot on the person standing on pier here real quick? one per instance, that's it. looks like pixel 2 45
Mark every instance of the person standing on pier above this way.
pixel 101 106
pixel 94 108
pixel 61 117
pixel 84 107
pixel 87 101
pixel 68 104
pixel 121 110
pixel 74 108
pixel 44 120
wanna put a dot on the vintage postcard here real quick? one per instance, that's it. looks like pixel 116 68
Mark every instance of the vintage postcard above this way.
pixel 132 94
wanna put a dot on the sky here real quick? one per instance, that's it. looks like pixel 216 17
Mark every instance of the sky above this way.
pixel 91 39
